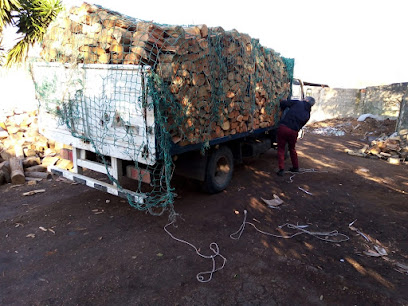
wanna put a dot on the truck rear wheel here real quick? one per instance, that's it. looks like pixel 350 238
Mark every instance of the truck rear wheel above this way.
pixel 219 170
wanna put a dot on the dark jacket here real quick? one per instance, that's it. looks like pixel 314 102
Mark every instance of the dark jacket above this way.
pixel 295 113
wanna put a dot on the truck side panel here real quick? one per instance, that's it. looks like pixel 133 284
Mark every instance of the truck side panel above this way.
pixel 99 108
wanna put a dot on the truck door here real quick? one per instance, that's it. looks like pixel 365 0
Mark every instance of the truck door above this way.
pixel 297 90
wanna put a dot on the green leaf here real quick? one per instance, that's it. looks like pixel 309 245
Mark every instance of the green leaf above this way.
pixel 32 20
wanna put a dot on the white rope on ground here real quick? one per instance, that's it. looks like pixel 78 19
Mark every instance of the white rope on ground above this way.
pixel 300 230
pixel 305 191
pixel 213 247
pixel 303 171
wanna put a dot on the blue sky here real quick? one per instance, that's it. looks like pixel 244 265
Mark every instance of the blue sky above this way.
pixel 349 43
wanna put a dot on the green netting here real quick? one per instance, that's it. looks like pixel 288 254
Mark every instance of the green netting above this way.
pixel 137 89
pixel 289 67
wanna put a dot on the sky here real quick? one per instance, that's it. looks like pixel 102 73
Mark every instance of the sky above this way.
pixel 348 43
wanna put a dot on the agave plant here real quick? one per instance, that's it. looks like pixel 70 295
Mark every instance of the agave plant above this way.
pixel 31 17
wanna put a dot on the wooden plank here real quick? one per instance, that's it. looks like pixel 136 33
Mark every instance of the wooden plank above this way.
pixel 116 171
pixel 98 167
pixel 77 154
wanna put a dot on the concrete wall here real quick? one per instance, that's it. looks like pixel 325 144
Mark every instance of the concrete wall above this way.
pixel 384 101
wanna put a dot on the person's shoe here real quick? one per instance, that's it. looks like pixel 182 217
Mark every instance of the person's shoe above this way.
pixel 280 172
pixel 294 169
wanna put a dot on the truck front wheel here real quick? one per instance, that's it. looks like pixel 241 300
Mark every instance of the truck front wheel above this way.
pixel 219 170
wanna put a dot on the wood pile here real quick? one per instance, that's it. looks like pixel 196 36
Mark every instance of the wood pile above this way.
pixel 222 82
pixel 392 148
pixel 24 153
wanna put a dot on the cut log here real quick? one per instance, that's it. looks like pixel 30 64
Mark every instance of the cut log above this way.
pixel 17 172
pixel 32 180
pixel 28 152
pixel 3 133
pixel 6 154
pixel 2 177
pixel 41 175
pixel 104 58
pixel 122 36
pixel 49 161
pixel 31 161
pixel 5 172
pixel 36 168
pixel 5 165
pixel 394 160
pixel 65 164
pixel 49 152
pixel 226 125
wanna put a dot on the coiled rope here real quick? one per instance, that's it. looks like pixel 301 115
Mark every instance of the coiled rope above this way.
pixel 201 277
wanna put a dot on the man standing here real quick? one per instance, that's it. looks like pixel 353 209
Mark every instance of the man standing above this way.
pixel 295 115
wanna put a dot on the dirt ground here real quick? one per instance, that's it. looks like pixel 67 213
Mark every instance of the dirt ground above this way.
pixel 73 245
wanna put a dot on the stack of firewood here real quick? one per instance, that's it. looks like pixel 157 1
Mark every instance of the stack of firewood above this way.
pixel 24 153
pixel 224 81
pixel 393 148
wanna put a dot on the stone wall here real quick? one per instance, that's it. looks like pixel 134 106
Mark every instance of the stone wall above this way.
pixel 383 100
pixel 333 102
pixel 402 123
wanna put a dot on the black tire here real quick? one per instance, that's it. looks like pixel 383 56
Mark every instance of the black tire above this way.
pixel 220 167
